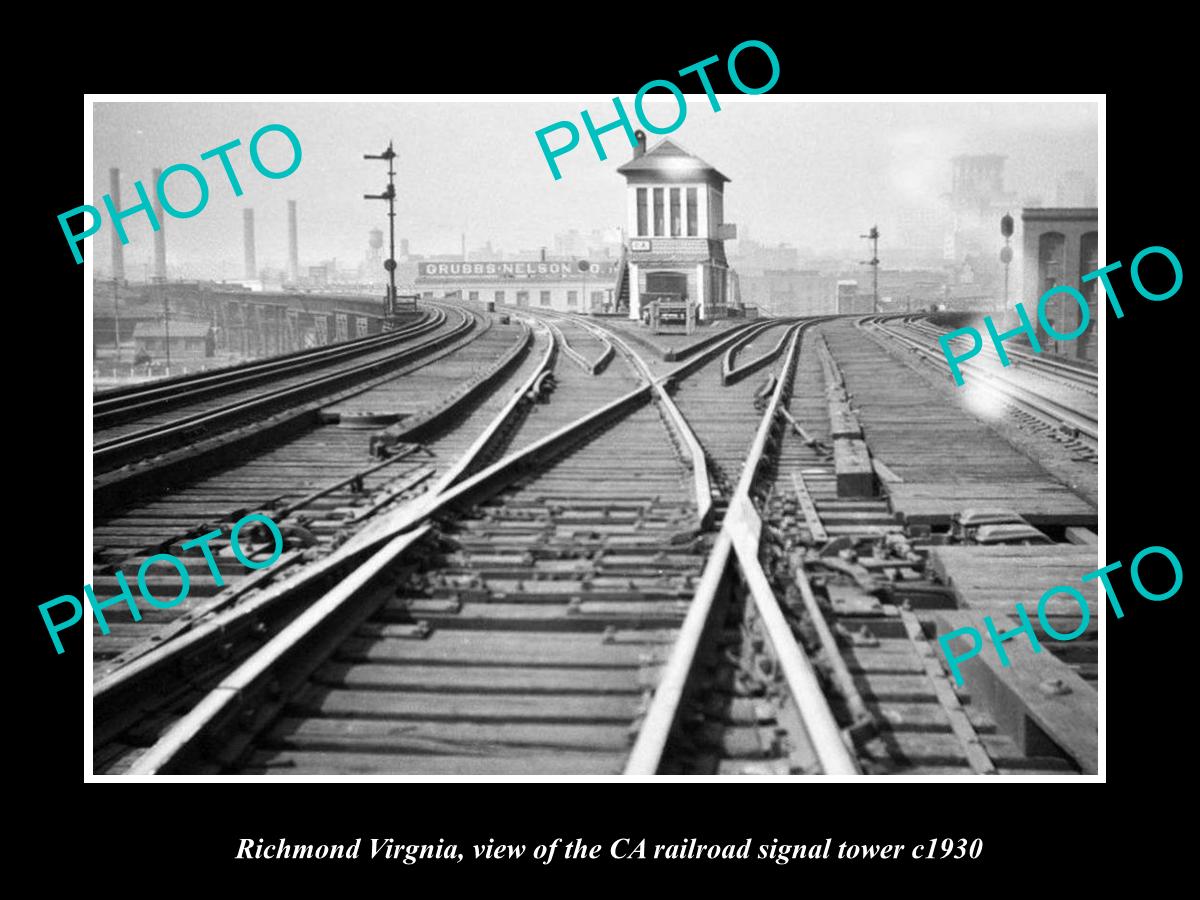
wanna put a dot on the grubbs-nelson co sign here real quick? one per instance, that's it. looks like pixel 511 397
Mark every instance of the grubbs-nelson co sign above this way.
pixel 483 270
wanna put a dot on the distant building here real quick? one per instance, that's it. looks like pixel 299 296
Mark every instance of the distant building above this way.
pixel 570 243
pixel 560 284
pixel 850 301
pixel 752 256
pixel 188 340
pixel 575 244
pixel 977 202
pixel 1060 247
pixel 790 292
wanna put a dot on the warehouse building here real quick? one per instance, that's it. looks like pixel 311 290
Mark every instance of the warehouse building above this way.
pixel 566 285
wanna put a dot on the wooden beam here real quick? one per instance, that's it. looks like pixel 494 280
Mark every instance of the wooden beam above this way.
pixel 1038 700
pixel 852 463
pixel 885 474
pixel 816 529
pixel 1083 536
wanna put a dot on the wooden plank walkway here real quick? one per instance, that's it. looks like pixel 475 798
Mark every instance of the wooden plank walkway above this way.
pixel 992 580
pixel 947 458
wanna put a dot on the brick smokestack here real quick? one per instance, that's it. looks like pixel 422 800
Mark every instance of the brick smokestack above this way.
pixel 248 242
pixel 118 250
pixel 293 245
pixel 160 236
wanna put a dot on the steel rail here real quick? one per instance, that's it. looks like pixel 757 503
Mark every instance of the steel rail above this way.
pixel 740 532
pixel 233 697
pixel 115 392
pixel 697 461
pixel 1072 375
pixel 1030 401
pixel 731 374
pixel 661 384
pixel 418 426
pixel 394 533
pixel 746 528
pixel 110 454
pixel 109 410
pixel 457 471
pixel 253 676
pixel 592 368
pixel 203 632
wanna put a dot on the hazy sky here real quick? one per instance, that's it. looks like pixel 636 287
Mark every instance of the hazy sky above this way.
pixel 811 174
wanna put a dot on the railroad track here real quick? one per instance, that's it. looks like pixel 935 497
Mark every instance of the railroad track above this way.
pixel 582 570
pixel 116 406
pixel 1075 376
pixel 818 656
pixel 634 578
pixel 141 423
pixel 320 484
pixel 1069 412
pixel 855 585
pixel 196 643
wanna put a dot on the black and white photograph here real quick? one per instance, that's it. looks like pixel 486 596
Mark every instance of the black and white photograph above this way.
pixel 684 436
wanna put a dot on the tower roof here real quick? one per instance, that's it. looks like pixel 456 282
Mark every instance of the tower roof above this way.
pixel 667 156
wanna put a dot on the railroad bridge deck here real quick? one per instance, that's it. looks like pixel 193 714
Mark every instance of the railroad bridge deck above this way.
pixel 561 545
pixel 948 458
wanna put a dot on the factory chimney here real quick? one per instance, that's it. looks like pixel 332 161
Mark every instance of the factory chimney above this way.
pixel 293 245
pixel 118 250
pixel 248 241
pixel 160 236
pixel 464 245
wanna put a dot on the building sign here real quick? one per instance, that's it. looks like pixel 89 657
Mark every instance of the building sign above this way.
pixel 639 244
pixel 490 271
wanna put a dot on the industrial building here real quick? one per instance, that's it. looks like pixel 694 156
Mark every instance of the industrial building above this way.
pixel 1059 247
pixel 790 292
pixel 567 285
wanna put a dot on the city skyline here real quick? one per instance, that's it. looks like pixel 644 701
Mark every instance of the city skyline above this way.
pixel 812 175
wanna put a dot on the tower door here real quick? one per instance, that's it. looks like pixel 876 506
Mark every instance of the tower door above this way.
pixel 666 283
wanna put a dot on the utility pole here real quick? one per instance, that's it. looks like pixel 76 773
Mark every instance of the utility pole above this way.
pixel 166 319
pixel 389 303
pixel 116 320
pixel 873 262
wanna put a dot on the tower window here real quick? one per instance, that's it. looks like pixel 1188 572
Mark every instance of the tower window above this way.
pixel 659 214
pixel 676 221
pixel 693 228
pixel 643 220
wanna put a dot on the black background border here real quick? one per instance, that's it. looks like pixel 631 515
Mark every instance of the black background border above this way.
pixel 1147 466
